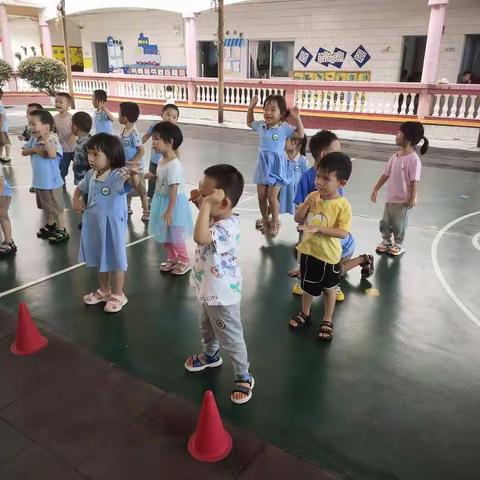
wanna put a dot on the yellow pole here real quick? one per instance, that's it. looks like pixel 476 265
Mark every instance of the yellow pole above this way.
pixel 68 63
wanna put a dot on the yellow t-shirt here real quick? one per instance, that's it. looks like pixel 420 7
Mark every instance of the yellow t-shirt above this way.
pixel 335 213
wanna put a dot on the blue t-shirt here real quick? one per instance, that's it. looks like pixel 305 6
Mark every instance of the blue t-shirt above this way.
pixel 102 123
pixel 5 123
pixel 306 185
pixel 46 171
pixel 155 156
pixel 131 143
pixel 273 139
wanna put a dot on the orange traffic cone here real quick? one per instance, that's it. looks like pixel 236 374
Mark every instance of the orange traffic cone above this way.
pixel 28 339
pixel 210 442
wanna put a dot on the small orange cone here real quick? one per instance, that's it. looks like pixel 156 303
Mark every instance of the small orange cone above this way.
pixel 210 442
pixel 28 339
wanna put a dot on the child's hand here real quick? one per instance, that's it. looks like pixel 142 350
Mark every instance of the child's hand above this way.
pixel 195 197
pixel 149 175
pixel 295 112
pixel 101 106
pixel 253 102
pixel 311 200
pixel 21 138
pixel 215 198
pixel 78 205
pixel 167 216
pixel 412 202
pixel 373 196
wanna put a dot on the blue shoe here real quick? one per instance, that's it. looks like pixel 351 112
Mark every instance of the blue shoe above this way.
pixel 200 362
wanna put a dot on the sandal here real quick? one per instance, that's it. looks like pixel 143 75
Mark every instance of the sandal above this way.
pixel 202 361
pixel 239 388
pixel 259 224
pixel 181 268
pixel 46 231
pixel 58 236
pixel 294 273
pixel 7 248
pixel 130 211
pixel 273 229
pixel 96 297
pixel 368 267
pixel 301 320
pixel 115 303
pixel 326 331
pixel 168 266
pixel 145 217
pixel 396 250
pixel 383 247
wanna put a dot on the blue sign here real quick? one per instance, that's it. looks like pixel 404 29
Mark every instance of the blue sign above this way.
pixel 304 57
pixel 361 56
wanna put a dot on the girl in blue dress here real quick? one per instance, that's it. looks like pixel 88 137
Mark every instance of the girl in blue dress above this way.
pixel 170 216
pixel 271 172
pixel 297 165
pixel 8 247
pixel 104 220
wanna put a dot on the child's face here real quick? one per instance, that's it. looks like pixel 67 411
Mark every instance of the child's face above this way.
pixel 327 183
pixel 400 139
pixel 122 119
pixel 291 145
pixel 98 160
pixel 272 113
pixel 206 187
pixel 170 115
pixel 333 147
pixel 95 101
pixel 61 103
pixel 37 128
pixel 160 145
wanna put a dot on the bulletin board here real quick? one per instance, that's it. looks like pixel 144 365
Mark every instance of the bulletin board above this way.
pixel 332 76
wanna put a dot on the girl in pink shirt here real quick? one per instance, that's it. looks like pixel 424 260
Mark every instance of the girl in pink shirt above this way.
pixel 402 175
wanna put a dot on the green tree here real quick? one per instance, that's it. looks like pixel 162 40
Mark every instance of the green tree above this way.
pixel 44 74
pixel 6 72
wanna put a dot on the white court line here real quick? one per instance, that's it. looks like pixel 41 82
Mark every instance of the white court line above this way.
pixel 60 272
pixel 476 241
pixel 438 271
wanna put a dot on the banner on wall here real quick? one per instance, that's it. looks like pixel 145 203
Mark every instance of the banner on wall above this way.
pixel 76 56
pixel 332 76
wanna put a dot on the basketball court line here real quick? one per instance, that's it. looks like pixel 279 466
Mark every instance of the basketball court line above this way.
pixel 476 241
pixel 438 271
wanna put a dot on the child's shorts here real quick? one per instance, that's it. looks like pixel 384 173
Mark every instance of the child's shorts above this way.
pixel 4 139
pixel 316 275
pixel 50 201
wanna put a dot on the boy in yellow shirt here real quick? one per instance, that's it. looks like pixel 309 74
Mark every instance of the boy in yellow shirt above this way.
pixel 325 217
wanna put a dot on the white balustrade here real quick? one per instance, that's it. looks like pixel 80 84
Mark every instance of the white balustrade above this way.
pixel 460 106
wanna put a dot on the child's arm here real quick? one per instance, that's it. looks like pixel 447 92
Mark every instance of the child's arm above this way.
pixel 137 159
pixel 195 197
pixel 412 200
pixel 146 138
pixel 301 212
pixel 381 182
pixel 77 201
pixel 2 119
pixel 49 149
pixel 299 130
pixel 201 234
pixel 172 198
pixel 149 175
pixel 251 107
pixel 103 108
pixel 327 231
pixel 1 186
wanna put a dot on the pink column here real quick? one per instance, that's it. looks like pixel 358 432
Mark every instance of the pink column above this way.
pixel 190 41
pixel 45 38
pixel 432 50
pixel 5 35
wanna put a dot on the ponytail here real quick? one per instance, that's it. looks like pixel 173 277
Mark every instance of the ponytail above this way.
pixel 303 145
pixel 424 147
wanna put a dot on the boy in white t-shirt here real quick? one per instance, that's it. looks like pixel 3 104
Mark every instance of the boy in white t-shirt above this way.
pixel 217 278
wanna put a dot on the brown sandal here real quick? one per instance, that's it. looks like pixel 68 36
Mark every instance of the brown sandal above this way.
pixel 326 332
pixel 272 229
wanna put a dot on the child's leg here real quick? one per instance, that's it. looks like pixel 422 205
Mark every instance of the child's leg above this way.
pixel 65 164
pixel 118 282
pixel 144 200
pixel 210 341
pixel 274 206
pixel 7 151
pixel 171 252
pixel 399 220
pixel 152 168
pixel 5 219
pixel 262 192
pixel 104 281
pixel 181 252
pixel 326 327
pixel 351 263
pixel 385 224
pixel 129 202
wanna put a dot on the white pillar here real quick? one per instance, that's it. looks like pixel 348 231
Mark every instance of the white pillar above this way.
pixel 45 38
pixel 436 24
pixel 190 40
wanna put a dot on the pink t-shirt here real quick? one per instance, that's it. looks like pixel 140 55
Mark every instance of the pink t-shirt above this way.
pixel 401 172
pixel 63 126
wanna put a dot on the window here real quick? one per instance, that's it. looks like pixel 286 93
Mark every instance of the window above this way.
pixel 413 55
pixel 270 59
pixel 471 59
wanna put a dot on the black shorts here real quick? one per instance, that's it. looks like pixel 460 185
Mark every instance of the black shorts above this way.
pixel 316 275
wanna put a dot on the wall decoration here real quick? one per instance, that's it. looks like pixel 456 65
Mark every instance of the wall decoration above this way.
pixel 76 56
pixel 335 59
pixel 304 57
pixel 361 56
pixel 146 53
pixel 233 54
pixel 323 57
pixel 115 54
pixel 332 76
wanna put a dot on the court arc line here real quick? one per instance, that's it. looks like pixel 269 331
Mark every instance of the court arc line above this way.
pixel 60 272
pixel 476 241
pixel 438 271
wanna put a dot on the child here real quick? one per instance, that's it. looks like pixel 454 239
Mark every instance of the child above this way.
pixel 103 118
pixel 4 138
pixel 321 143
pixel 104 219
pixel 217 278
pixel 63 127
pixel 133 149
pixel 170 113
pixel 297 165
pixel 45 153
pixel 324 217
pixel 271 171
pixel 171 218
pixel 402 174
pixel 81 126
pixel 25 136
pixel 8 247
